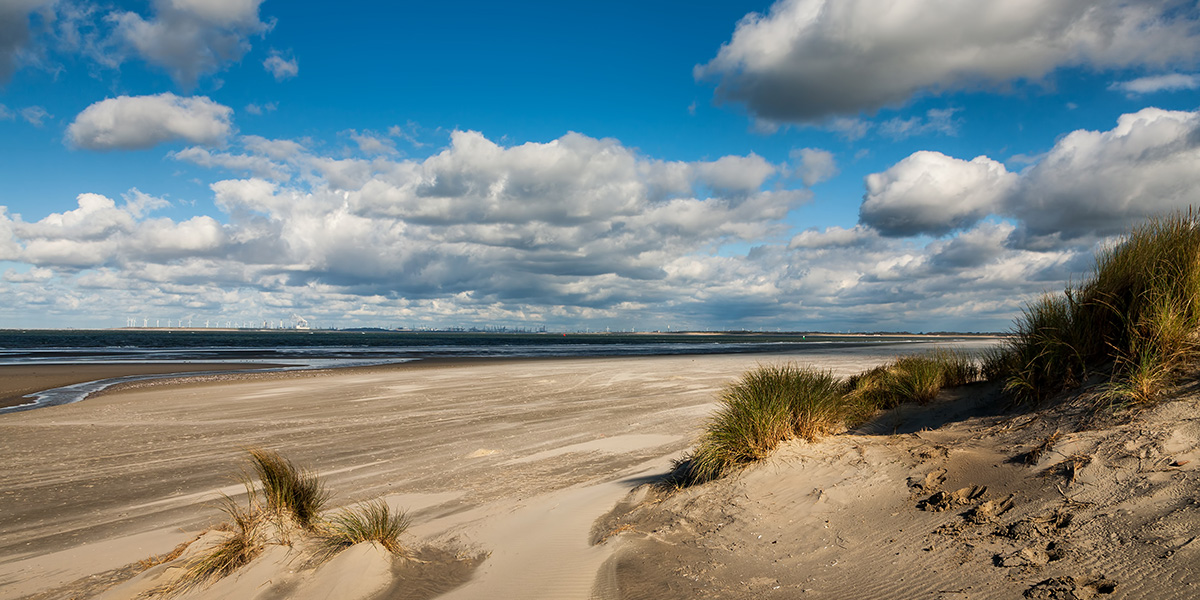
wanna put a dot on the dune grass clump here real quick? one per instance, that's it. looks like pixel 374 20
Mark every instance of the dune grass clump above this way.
pixel 772 404
pixel 917 378
pixel 374 521
pixel 247 538
pixel 1134 321
pixel 767 406
pixel 285 501
pixel 288 491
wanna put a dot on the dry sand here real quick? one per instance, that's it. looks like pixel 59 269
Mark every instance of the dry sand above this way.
pixel 511 472
pixel 943 502
pixel 513 459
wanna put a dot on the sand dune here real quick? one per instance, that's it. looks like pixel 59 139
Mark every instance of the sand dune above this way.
pixel 939 502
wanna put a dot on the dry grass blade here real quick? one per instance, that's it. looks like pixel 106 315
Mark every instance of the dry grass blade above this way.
pixel 372 521
pixel 287 490
pixel 1034 455
pixel 244 542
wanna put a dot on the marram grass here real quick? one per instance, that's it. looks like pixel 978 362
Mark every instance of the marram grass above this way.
pixel 774 403
pixel 288 491
pixel 373 521
pixel 286 501
pixel 1133 322
pixel 247 537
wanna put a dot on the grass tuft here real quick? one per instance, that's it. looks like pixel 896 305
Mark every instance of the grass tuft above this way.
pixel 246 540
pixel 772 404
pixel 288 491
pixel 290 501
pixel 918 378
pixel 1134 321
pixel 373 521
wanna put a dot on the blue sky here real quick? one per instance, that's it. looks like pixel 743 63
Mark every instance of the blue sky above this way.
pixel 805 164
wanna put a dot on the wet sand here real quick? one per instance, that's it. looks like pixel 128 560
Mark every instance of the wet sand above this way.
pixel 18 381
pixel 512 458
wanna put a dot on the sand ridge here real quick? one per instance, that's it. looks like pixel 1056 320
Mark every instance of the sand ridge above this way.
pixel 898 510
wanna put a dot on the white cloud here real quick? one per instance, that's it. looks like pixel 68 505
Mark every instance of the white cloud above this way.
pixel 849 129
pixel 736 174
pixel 807 60
pixel 1171 82
pixel 929 192
pixel 191 38
pixel 281 68
pixel 832 237
pixel 1090 184
pixel 6 114
pixel 575 231
pixel 139 122
pixel 939 121
pixel 35 115
pixel 814 165
pixel 273 149
pixel 1096 182
pixel 259 166
pixel 260 109
pixel 372 144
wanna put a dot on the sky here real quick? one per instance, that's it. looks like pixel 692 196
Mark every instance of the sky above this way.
pixel 802 165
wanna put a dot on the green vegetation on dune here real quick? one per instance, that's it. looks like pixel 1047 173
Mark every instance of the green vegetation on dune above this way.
pixel 288 492
pixel 1133 324
pixel 373 521
pixel 775 403
pixel 286 501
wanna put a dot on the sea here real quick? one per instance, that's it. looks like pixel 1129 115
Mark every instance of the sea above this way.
pixel 291 349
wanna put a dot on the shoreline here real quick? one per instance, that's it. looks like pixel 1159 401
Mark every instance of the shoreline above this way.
pixel 19 381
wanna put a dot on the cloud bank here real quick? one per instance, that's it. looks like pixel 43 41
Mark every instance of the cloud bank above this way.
pixel 809 60
pixel 1090 184
pixel 587 231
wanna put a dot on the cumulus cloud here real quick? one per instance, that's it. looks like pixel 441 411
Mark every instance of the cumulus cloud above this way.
pixel 139 122
pixel 808 60
pixel 1096 182
pixel 929 192
pixel 573 228
pixel 814 165
pixel 1090 184
pixel 575 231
pixel 281 68
pixel 1171 82
pixel 833 237
pixel 191 38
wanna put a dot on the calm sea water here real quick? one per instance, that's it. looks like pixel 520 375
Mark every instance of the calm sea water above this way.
pixel 299 346
pixel 293 349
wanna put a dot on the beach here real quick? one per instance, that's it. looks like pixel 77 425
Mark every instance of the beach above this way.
pixel 524 479
pixel 478 452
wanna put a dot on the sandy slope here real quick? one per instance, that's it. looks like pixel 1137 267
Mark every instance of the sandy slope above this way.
pixel 1113 510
